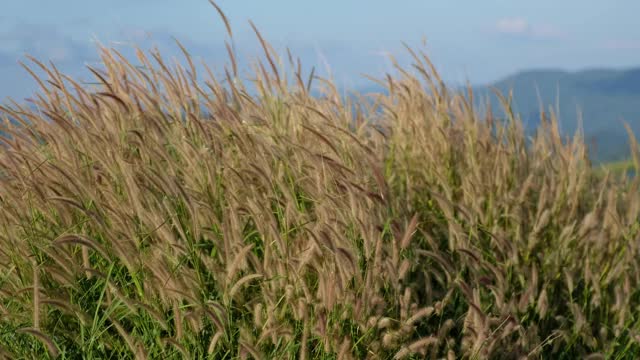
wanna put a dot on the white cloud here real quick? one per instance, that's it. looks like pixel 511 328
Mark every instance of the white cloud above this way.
pixel 512 25
pixel 519 26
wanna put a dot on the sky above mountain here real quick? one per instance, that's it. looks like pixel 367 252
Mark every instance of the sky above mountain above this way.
pixel 479 41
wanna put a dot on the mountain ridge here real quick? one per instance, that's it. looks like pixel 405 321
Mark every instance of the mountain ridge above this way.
pixel 597 100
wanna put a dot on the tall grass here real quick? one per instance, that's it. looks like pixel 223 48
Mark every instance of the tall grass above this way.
pixel 162 217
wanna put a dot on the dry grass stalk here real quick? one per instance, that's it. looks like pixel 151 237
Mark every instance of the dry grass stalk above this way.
pixel 410 225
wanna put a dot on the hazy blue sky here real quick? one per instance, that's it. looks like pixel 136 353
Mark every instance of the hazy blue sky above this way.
pixel 467 39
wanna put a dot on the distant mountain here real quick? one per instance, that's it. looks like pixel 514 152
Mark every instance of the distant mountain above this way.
pixel 602 98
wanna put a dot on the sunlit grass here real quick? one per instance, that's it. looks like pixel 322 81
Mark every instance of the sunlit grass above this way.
pixel 160 216
pixel 616 168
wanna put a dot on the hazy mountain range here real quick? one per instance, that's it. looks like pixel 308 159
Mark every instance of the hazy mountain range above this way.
pixel 602 98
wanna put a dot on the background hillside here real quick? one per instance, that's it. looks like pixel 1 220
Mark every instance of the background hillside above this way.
pixel 602 98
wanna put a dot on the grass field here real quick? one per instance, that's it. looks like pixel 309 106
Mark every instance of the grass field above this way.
pixel 159 217
pixel 617 167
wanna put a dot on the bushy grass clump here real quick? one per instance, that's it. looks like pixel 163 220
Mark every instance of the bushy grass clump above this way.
pixel 157 217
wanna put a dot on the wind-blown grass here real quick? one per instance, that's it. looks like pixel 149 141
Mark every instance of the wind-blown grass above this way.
pixel 156 217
